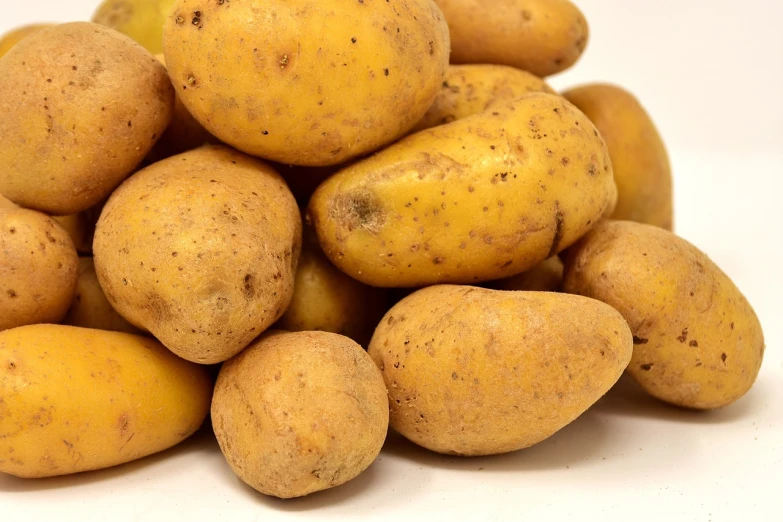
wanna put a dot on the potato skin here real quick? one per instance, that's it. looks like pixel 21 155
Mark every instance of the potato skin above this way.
pixel 472 89
pixel 13 37
pixel 38 268
pixel 141 20
pixel 82 106
pixel 544 277
pixel 639 157
pixel 297 413
pixel 313 82
pixel 483 198
pixel 698 342
pixel 201 251
pixel 78 400
pixel 474 372
pixel 544 37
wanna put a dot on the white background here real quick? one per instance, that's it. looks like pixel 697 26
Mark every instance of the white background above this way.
pixel 710 72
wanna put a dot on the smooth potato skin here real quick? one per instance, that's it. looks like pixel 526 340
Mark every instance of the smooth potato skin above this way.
pixel 201 251
pixel 38 268
pixel 297 413
pixel 313 82
pixel 483 198
pixel 81 107
pixel 13 37
pixel 77 400
pixel 544 277
pixel 639 158
pixel 142 20
pixel 474 372
pixel 472 89
pixel 698 342
pixel 544 37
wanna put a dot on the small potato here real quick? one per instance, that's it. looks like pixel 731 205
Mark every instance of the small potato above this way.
pixel 13 37
pixel 544 37
pixel 698 342
pixel 312 82
pixel 297 413
pixel 481 372
pixel 472 89
pixel 90 308
pixel 142 20
pixel 486 197
pixel 81 106
pixel 545 277
pixel 201 251
pixel 38 268
pixel 77 400
pixel 639 157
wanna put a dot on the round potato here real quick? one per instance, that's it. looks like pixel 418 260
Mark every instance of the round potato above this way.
pixel 313 82
pixel 486 197
pixel 639 158
pixel 13 37
pixel 480 372
pixel 38 268
pixel 545 277
pixel 297 413
pixel 76 399
pixel 698 342
pixel 541 36
pixel 472 89
pixel 201 251
pixel 142 20
pixel 81 107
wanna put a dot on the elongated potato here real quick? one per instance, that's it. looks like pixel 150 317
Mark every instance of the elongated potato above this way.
pixel 75 399
pixel 544 277
pixel 639 157
pixel 480 372
pixel 13 37
pixel 698 342
pixel 483 198
pixel 541 36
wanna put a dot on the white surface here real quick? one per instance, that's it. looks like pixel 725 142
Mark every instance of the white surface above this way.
pixel 710 72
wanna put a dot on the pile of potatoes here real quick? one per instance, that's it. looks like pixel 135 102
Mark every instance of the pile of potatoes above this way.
pixel 301 179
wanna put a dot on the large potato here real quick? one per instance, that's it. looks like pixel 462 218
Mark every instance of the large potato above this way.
pixel 38 268
pixel 200 250
pixel 142 20
pixel 313 82
pixel 297 413
pixel 13 37
pixel 698 342
pixel 639 158
pixel 75 399
pixel 80 107
pixel 547 276
pixel 479 372
pixel 472 89
pixel 485 197
pixel 541 36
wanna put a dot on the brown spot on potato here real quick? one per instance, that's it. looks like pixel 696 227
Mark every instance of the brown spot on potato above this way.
pixel 647 367
pixel 559 221
pixel 248 287
pixel 358 210
pixel 684 336
pixel 639 340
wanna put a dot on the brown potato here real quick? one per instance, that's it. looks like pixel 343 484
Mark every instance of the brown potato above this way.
pixel 545 277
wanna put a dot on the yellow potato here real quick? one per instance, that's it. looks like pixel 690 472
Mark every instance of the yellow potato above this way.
pixel 38 268
pixel 698 342
pixel 486 197
pixel 13 37
pixel 297 413
pixel 639 158
pixel 480 372
pixel 73 399
pixel 142 20
pixel 90 308
pixel 472 89
pixel 81 107
pixel 201 251
pixel 545 277
pixel 541 36
pixel 312 82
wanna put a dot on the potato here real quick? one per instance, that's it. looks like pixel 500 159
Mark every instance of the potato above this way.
pixel 90 308
pixel 303 181
pixel 297 413
pixel 698 343
pixel 545 277
pixel 544 37
pixel 142 20
pixel 201 251
pixel 13 37
pixel 639 158
pixel 313 82
pixel 472 89
pixel 326 299
pixel 76 399
pixel 486 197
pixel 81 228
pixel 81 107
pixel 38 268
pixel 472 371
